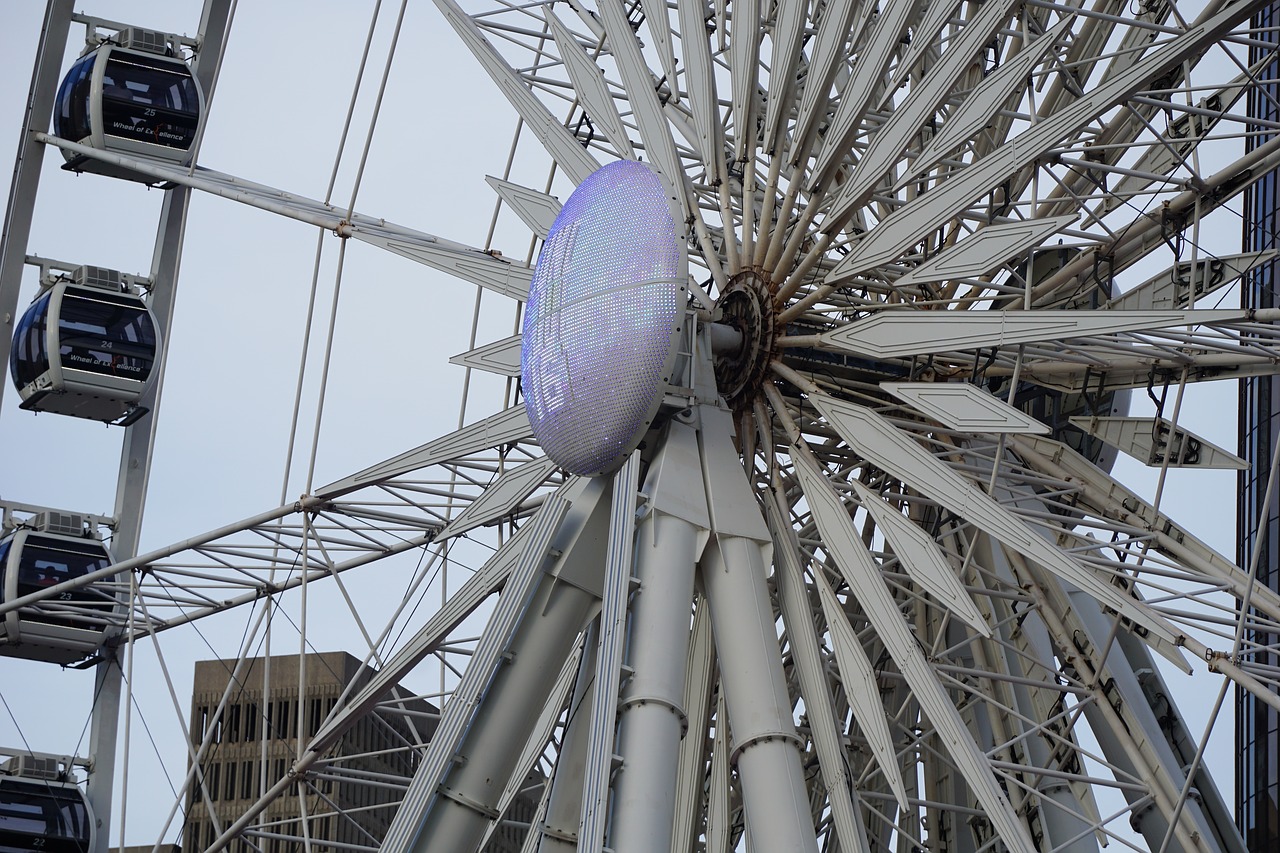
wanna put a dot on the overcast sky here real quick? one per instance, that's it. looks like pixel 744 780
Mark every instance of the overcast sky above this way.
pixel 234 347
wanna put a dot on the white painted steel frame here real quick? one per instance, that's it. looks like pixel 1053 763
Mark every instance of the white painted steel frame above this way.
pixel 611 642
pixel 651 716
pixel 877 513
pixel 138 438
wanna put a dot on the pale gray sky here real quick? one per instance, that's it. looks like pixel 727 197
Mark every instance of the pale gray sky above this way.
pixel 234 347
pixel 235 343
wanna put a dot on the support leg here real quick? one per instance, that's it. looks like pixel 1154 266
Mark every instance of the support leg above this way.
pixel 454 793
pixel 764 737
pixel 651 714
pixel 560 825
pixel 486 759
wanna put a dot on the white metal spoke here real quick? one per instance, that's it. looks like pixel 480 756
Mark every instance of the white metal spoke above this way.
pixel 946 262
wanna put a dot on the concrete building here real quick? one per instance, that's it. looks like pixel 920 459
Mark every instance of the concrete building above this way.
pixel 349 803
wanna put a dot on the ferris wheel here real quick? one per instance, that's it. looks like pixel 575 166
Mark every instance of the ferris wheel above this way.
pixel 807 511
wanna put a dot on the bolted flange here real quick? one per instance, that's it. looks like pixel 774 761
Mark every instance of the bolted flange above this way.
pixel 746 306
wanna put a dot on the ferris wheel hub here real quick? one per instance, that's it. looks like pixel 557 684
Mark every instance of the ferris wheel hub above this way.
pixel 747 306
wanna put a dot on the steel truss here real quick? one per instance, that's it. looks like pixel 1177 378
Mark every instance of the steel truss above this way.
pixel 886 592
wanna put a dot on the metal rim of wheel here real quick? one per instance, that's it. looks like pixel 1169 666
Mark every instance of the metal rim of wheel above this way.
pixel 953 239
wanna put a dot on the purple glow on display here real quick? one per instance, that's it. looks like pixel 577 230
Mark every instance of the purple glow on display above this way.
pixel 600 326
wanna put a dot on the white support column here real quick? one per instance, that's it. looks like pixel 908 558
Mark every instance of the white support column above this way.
pixel 765 742
pixel 651 718
pixel 766 748
pixel 104 722
pixel 610 650
pixel 699 675
pixel 30 162
pixel 139 438
pixel 489 717
pixel 559 830
pixel 465 800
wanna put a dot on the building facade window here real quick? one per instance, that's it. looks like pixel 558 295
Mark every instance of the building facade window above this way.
pixel 254 733
pixel 1258 724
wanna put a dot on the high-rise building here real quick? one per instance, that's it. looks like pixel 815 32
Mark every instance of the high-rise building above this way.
pixel 349 802
pixel 1258 724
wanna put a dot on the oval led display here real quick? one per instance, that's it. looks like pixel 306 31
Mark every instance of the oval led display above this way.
pixel 601 325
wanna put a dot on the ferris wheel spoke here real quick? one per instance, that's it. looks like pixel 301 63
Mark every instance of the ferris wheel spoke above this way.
pixel 536 209
pixel 858 678
pixel 788 29
pixel 590 86
pixel 833 32
pixel 905 334
pixel 659 146
pixel 905 226
pixel 827 735
pixel 470 264
pixel 921 559
pixel 1140 237
pixel 506 427
pixel 658 25
pixel 501 357
pixel 881 43
pixel 1126 370
pixel 925 32
pixel 1103 495
pixel 477 267
pixel 279 551
pixel 983 253
pixel 700 84
pixel 1158 441
pixel 863 578
pixel 1180 284
pixel 987 98
pixel 708 127
pixel 554 136
pixel 744 46
pixel 464 602
pixel 501 496
pixel 885 146
pixel 1107 146
pixel 877 440
pixel 1172 149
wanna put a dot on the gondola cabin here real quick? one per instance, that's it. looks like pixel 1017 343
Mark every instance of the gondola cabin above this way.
pixel 42 810
pixel 69 624
pixel 131 96
pixel 86 347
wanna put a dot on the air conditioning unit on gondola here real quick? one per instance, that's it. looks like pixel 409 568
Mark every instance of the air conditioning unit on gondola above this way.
pixel 37 767
pixel 42 807
pixel 59 523
pixel 148 41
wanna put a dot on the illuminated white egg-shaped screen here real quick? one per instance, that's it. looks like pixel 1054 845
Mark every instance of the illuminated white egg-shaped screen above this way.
pixel 601 325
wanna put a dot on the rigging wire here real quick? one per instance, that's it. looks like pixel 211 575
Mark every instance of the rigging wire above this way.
pixel 322 391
